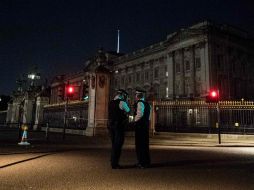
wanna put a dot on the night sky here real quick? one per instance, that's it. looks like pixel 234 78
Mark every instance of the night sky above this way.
pixel 58 36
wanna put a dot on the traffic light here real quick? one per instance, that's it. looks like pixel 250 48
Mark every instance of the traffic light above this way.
pixel 213 96
pixel 85 91
pixel 69 91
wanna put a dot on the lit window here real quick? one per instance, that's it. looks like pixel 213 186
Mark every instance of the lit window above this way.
pixel 166 71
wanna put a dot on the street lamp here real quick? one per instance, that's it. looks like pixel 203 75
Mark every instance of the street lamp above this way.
pixel 33 76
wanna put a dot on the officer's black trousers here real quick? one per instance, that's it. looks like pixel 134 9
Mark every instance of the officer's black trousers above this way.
pixel 142 144
pixel 117 138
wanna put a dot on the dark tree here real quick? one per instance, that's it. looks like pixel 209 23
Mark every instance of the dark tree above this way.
pixel 4 102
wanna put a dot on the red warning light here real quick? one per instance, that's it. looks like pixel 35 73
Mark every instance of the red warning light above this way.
pixel 213 96
pixel 70 91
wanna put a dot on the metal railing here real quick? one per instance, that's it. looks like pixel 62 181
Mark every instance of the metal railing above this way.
pixel 199 116
pixel 77 115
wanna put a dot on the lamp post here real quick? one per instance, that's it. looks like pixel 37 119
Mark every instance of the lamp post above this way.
pixel 65 116
pixel 218 119
pixel 69 89
pixel 214 97
pixel 33 76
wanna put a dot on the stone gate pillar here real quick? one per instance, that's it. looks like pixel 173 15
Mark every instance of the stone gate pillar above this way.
pixel 15 111
pixel 98 101
pixel 91 105
pixel 28 111
pixel 9 113
pixel 40 103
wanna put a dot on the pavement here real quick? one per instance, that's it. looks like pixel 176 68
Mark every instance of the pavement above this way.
pixel 200 139
pixel 181 168
pixel 179 161
pixel 55 142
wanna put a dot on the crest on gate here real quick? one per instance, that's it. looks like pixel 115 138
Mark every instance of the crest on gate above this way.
pixel 102 81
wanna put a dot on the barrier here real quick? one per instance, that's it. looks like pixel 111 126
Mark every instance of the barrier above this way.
pixel 24 136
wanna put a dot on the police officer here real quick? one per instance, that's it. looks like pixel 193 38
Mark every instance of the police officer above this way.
pixel 118 109
pixel 141 118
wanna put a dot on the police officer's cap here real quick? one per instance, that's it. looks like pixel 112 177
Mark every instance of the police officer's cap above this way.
pixel 140 91
pixel 122 91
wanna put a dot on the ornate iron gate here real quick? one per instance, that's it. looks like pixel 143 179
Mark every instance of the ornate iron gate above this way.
pixel 77 115
pixel 199 116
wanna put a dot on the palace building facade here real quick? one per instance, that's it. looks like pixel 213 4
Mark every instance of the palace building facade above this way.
pixel 187 64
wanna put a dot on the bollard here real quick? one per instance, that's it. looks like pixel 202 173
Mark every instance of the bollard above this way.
pixel 47 131
pixel 24 136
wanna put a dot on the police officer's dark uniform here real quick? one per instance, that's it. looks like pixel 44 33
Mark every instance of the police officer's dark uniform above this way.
pixel 118 110
pixel 142 115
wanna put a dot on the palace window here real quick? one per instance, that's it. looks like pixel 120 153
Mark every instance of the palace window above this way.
pixel 197 63
pixel 198 88
pixel 151 74
pixel 142 77
pixel 156 72
pixel 123 80
pixel 129 79
pixel 161 59
pixel 187 87
pixel 151 63
pixel 146 75
pixel 177 88
pixel 138 76
pixel 187 65
pixel 178 68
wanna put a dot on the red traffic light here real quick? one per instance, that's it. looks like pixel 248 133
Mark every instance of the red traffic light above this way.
pixel 213 96
pixel 70 91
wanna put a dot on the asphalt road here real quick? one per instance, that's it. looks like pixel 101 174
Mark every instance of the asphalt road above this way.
pixel 173 167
